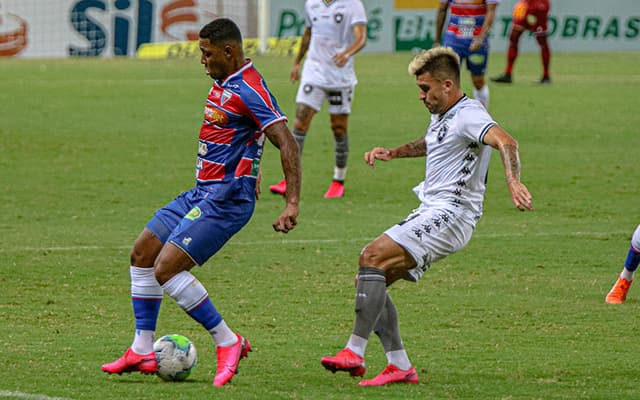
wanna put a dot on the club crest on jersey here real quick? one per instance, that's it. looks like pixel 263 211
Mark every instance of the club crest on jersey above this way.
pixel 338 18
pixel 442 132
pixel 194 214
pixel 226 96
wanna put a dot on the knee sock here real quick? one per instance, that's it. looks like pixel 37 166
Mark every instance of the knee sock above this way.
pixel 633 257
pixel 388 331
pixel 512 52
pixel 341 157
pixel 482 95
pixel 545 54
pixel 146 297
pixel 189 293
pixel 299 136
pixel 370 298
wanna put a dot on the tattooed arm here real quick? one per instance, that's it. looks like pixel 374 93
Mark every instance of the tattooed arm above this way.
pixel 416 148
pixel 500 140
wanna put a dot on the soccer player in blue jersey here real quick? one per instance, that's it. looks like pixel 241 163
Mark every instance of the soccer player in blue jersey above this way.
pixel 618 293
pixel 467 34
pixel 457 146
pixel 239 112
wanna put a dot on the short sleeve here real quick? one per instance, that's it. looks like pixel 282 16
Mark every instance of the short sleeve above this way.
pixel 359 16
pixel 261 104
pixel 475 123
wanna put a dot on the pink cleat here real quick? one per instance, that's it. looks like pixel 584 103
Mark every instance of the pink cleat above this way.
pixel 228 359
pixel 345 360
pixel 279 188
pixel 131 362
pixel 336 189
pixel 392 374
pixel 618 293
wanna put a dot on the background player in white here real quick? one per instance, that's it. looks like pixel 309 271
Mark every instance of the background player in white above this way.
pixel 618 293
pixel 335 31
pixel 457 147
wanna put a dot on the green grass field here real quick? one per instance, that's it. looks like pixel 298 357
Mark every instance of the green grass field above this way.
pixel 91 148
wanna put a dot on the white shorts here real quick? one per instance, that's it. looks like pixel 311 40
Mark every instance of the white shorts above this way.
pixel 635 239
pixel 339 99
pixel 430 234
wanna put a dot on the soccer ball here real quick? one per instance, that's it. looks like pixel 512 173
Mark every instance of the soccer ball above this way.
pixel 176 356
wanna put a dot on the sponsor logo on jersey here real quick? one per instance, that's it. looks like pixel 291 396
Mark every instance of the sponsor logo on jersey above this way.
pixel 187 241
pixel 215 116
pixel 202 148
pixel 194 214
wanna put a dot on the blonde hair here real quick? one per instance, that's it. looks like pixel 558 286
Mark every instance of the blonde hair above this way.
pixel 441 62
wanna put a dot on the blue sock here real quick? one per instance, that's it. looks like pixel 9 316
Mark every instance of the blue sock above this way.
pixel 146 297
pixel 206 314
pixel 146 313
pixel 633 259
pixel 189 293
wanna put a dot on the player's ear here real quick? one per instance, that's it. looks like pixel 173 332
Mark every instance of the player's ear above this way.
pixel 229 50
pixel 448 84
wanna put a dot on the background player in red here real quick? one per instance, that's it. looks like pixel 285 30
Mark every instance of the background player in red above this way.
pixel 239 113
pixel 529 15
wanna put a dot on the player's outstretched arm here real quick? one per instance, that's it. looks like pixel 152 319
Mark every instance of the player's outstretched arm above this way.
pixel 282 138
pixel 499 139
pixel 416 148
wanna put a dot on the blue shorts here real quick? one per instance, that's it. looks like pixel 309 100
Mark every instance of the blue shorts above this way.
pixel 476 61
pixel 198 225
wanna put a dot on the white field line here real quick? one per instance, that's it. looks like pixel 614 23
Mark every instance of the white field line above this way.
pixel 27 396
pixel 276 242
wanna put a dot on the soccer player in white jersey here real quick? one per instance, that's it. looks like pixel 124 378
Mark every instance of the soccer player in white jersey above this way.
pixel 618 293
pixel 457 147
pixel 335 31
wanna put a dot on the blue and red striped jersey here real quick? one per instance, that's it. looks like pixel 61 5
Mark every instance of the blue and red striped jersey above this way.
pixel 236 113
pixel 466 18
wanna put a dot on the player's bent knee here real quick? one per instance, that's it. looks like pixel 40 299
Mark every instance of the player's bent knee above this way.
pixel 372 256
pixel 142 257
pixel 145 250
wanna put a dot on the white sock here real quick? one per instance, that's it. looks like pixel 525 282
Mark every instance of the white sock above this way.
pixel 399 358
pixel 482 95
pixel 222 335
pixel 186 290
pixel 626 274
pixel 143 341
pixel 339 173
pixel 144 284
pixel 357 344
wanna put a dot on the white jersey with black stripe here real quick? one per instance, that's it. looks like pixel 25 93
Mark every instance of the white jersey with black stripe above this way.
pixel 457 158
